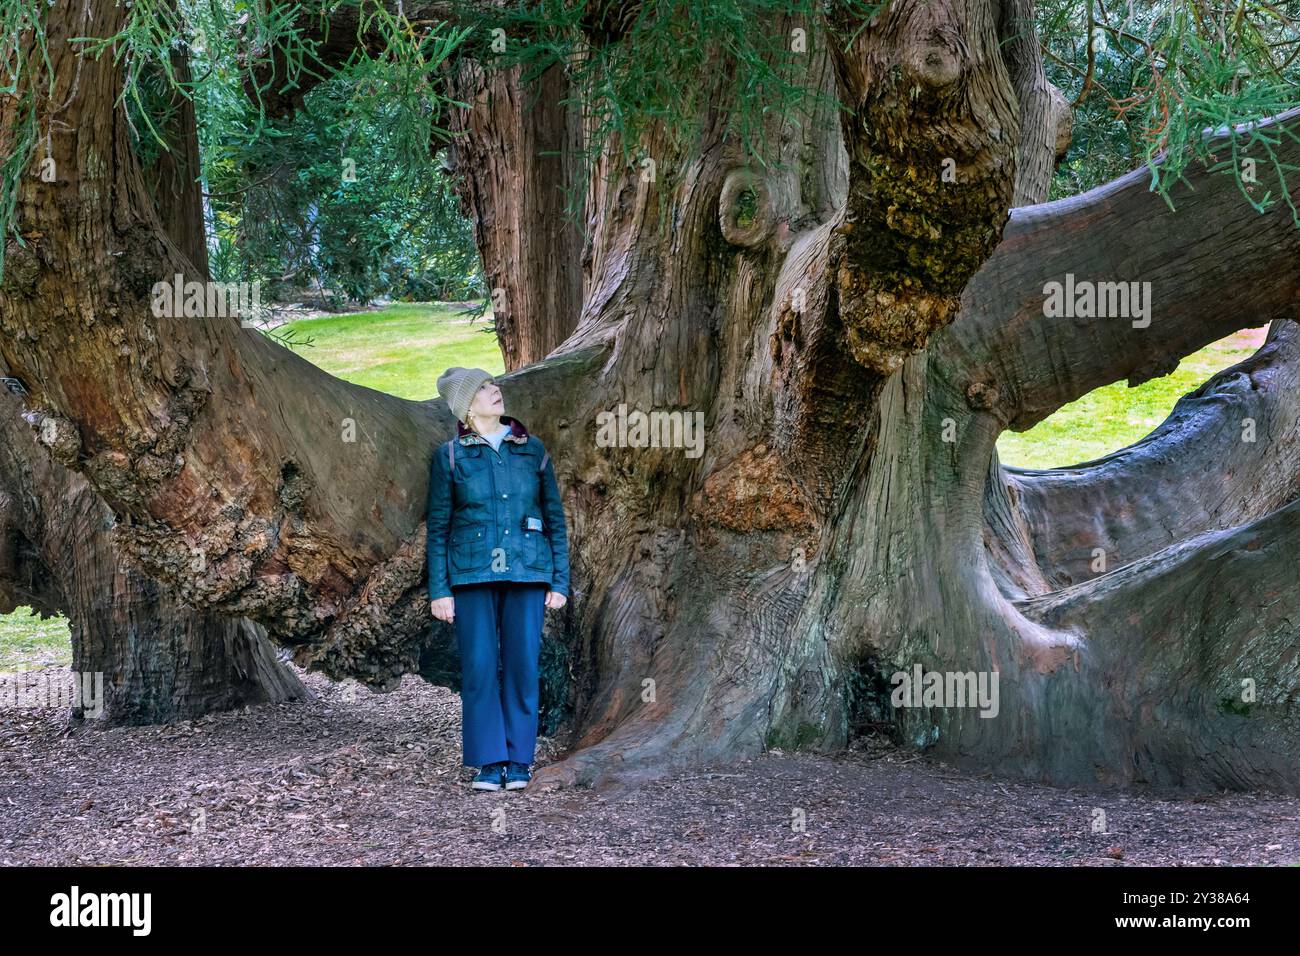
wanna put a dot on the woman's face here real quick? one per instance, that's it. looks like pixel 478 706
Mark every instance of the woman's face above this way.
pixel 487 400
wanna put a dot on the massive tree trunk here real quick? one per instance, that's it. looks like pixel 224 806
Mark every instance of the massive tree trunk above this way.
pixel 855 330
pixel 159 661
pixel 517 147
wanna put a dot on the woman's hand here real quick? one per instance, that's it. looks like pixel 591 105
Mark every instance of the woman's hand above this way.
pixel 444 609
pixel 554 599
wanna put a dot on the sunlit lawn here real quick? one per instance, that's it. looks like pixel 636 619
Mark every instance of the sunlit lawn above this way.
pixel 401 349
pixel 27 641
pixel 1116 416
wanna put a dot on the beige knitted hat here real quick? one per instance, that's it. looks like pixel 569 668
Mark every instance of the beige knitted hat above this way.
pixel 457 386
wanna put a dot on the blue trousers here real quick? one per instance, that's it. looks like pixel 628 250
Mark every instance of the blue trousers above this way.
pixel 499 624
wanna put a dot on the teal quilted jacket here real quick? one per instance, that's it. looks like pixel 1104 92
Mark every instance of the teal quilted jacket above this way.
pixel 495 515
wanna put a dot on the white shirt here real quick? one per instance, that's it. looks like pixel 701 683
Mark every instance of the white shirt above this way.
pixel 495 438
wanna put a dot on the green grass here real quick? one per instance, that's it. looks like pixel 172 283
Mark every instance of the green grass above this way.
pixel 401 349
pixel 1116 416
pixel 27 641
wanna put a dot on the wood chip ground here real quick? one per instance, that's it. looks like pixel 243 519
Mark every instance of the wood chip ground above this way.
pixel 353 777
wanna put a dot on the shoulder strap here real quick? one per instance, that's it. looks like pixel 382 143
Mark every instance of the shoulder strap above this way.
pixel 542 466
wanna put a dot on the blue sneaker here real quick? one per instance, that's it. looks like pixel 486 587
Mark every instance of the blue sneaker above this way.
pixel 490 777
pixel 517 776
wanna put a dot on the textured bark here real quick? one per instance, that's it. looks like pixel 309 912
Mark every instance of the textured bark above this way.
pixel 160 661
pixel 931 95
pixel 1102 688
pixel 1045 121
pixel 231 480
pixel 516 157
pixel 173 179
pixel 761 592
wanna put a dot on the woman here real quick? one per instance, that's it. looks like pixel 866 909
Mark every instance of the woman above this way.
pixel 498 555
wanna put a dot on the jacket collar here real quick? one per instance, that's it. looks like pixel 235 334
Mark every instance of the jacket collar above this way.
pixel 467 436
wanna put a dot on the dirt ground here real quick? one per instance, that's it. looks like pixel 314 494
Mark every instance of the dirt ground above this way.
pixel 353 777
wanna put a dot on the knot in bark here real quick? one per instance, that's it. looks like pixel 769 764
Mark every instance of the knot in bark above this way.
pixel 295 487
pixel 934 64
pixel 60 436
pixel 22 268
pixel 883 326
pixel 981 395
pixel 745 212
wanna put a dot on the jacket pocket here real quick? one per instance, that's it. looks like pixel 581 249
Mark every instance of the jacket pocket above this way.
pixel 537 551
pixel 467 548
